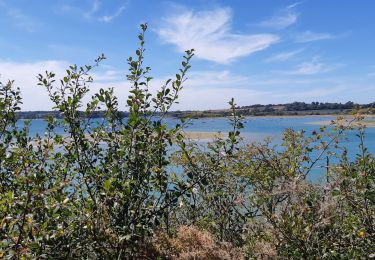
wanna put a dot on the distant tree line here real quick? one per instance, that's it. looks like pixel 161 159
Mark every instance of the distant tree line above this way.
pixel 301 106
pixel 254 110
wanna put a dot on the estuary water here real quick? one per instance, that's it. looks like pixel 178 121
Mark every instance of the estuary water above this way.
pixel 256 129
pixel 259 128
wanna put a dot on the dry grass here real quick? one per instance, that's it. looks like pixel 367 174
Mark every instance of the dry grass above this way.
pixel 192 243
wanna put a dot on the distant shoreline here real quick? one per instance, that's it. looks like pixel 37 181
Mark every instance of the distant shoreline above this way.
pixel 203 135
pixel 294 116
pixel 289 110
pixel 365 122
pixel 247 117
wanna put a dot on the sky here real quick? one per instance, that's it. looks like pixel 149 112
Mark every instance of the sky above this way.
pixel 256 51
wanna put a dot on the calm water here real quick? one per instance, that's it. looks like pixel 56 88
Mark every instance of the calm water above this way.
pixel 257 129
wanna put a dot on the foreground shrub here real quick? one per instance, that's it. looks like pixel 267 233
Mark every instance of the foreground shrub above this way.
pixel 134 187
pixel 258 196
pixel 299 219
pixel 102 188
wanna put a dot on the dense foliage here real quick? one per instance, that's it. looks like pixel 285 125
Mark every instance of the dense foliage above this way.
pixel 133 187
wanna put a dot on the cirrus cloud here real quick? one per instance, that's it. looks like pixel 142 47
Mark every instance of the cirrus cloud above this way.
pixel 309 36
pixel 283 56
pixel 280 22
pixel 315 66
pixel 209 33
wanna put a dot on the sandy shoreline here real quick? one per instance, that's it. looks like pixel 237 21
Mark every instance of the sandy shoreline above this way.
pixel 292 116
pixel 203 135
pixel 367 123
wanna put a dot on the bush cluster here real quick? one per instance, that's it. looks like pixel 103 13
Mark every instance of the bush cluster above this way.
pixel 133 187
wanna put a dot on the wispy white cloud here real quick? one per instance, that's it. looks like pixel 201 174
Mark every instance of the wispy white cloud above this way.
pixel 109 18
pixel 35 97
pixel 209 32
pixel 281 21
pixel 203 90
pixel 24 74
pixel 291 6
pixel 215 78
pixel 309 36
pixel 198 95
pixel 311 68
pixel 94 11
pixel 109 75
pixel 283 56
pixel 212 89
pixel 308 68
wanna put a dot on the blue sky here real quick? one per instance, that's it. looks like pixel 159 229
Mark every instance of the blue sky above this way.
pixel 257 51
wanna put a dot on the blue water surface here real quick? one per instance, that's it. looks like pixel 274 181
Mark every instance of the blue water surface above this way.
pixel 256 129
